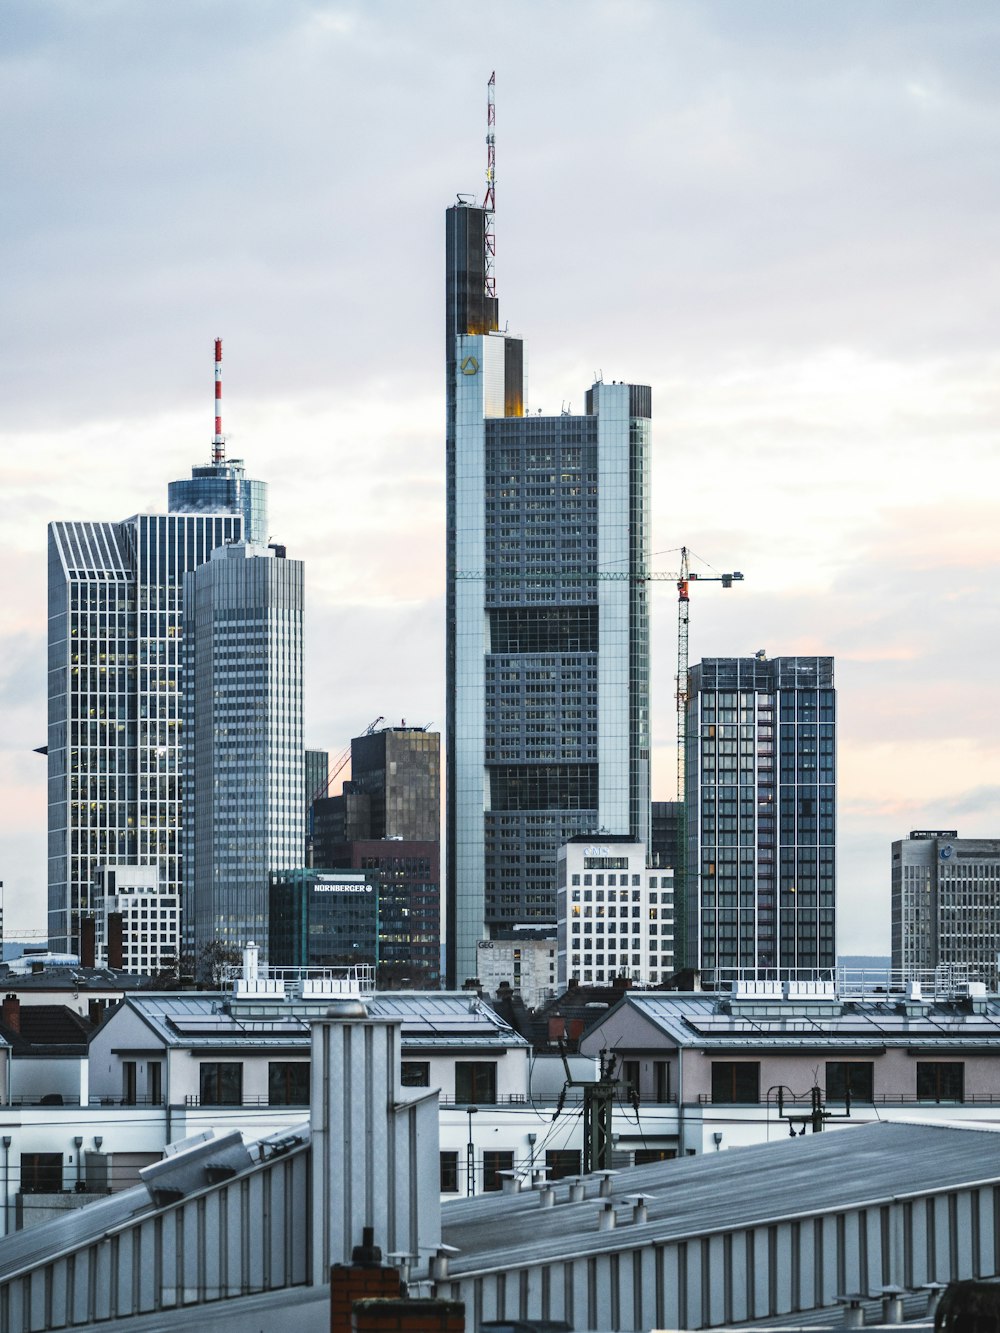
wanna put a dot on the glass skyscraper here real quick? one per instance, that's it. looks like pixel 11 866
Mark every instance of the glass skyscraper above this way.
pixel 761 788
pixel 114 687
pixel 547 626
pixel 244 759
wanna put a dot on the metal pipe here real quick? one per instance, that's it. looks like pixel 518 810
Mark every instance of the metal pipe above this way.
pixel 6 1184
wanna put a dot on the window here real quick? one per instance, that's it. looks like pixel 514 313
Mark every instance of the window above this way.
pixel 154 1082
pixel 940 1082
pixel 288 1083
pixel 644 1156
pixel 128 1082
pixel 221 1083
pixel 41 1172
pixel 630 1078
pixel 562 1162
pixel 449 1173
pixel 475 1081
pixel 415 1073
pixel 661 1071
pixel 856 1077
pixel 493 1163
pixel 735 1081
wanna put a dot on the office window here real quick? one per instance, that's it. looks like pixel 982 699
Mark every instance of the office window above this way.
pixel 939 1082
pixel 735 1081
pixel 415 1073
pixel 475 1081
pixel 449 1173
pixel 854 1076
pixel 221 1083
pixel 288 1083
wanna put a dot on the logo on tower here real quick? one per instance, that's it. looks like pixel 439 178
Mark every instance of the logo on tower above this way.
pixel 470 366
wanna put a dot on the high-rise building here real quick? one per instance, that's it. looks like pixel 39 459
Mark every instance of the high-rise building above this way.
pixel 761 814
pixel 946 904
pixel 115 679
pixel 115 675
pixel 244 761
pixel 387 823
pixel 547 630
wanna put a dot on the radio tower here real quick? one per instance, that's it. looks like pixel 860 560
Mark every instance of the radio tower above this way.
pixel 219 443
pixel 490 201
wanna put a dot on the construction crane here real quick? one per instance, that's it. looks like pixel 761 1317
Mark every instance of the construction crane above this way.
pixel 339 764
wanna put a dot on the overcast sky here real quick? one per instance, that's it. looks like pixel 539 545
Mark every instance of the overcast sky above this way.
pixel 783 216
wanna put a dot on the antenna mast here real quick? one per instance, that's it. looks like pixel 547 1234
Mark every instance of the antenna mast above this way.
pixel 219 443
pixel 490 201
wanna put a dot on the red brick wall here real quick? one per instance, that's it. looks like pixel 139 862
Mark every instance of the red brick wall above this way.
pixel 402 1316
pixel 349 1284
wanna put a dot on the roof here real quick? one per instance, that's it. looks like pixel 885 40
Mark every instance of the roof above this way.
pixel 430 1020
pixel 62 977
pixel 706 1021
pixel 692 1196
pixel 49 1029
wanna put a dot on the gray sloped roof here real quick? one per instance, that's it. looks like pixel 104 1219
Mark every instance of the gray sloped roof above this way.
pixel 705 1020
pixel 434 1020
pixel 718 1191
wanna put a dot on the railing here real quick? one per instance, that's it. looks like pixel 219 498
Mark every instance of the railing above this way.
pixel 879 1099
pixel 194 1102
pixel 850 983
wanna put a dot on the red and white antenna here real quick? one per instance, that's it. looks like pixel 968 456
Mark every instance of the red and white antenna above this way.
pixel 490 201
pixel 219 443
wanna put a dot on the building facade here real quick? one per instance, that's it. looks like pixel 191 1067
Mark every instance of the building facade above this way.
pixel 946 903
pixel 761 814
pixel 615 914
pixel 136 920
pixel 547 627
pixel 244 779
pixel 322 919
pixel 114 689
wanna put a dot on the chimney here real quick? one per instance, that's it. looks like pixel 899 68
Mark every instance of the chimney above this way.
pixel 88 941
pixel 11 1013
pixel 116 940
pixel 606 1217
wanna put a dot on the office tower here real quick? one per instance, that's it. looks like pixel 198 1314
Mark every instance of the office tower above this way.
pixel 547 630
pixel 244 761
pixel 761 814
pixel 322 918
pixel 317 771
pixel 615 914
pixel 114 682
pixel 387 824
pixel 399 769
pixel 946 904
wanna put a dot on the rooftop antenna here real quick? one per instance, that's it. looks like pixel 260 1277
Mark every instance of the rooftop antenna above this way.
pixel 219 443
pixel 490 201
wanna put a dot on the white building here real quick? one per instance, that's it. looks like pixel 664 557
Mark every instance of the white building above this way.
pixel 146 938
pixel 615 915
pixel 526 962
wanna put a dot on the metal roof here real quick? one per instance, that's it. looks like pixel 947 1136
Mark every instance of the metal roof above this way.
pixel 717 1192
pixel 429 1019
pixel 706 1020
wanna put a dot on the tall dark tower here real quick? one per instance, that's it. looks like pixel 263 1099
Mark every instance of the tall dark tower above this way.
pixel 547 635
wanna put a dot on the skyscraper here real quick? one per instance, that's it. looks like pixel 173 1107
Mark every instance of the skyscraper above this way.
pixel 244 761
pixel 115 677
pixel 946 904
pixel 761 813
pixel 547 633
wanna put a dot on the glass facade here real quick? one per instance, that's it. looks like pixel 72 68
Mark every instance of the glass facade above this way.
pixel 114 685
pixel 244 760
pixel 548 637
pixel 323 919
pixel 761 814
pixel 223 487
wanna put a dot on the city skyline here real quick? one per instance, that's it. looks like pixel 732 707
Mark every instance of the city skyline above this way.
pixel 790 243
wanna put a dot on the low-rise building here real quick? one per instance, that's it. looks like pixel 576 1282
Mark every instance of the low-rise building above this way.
pixel 523 960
